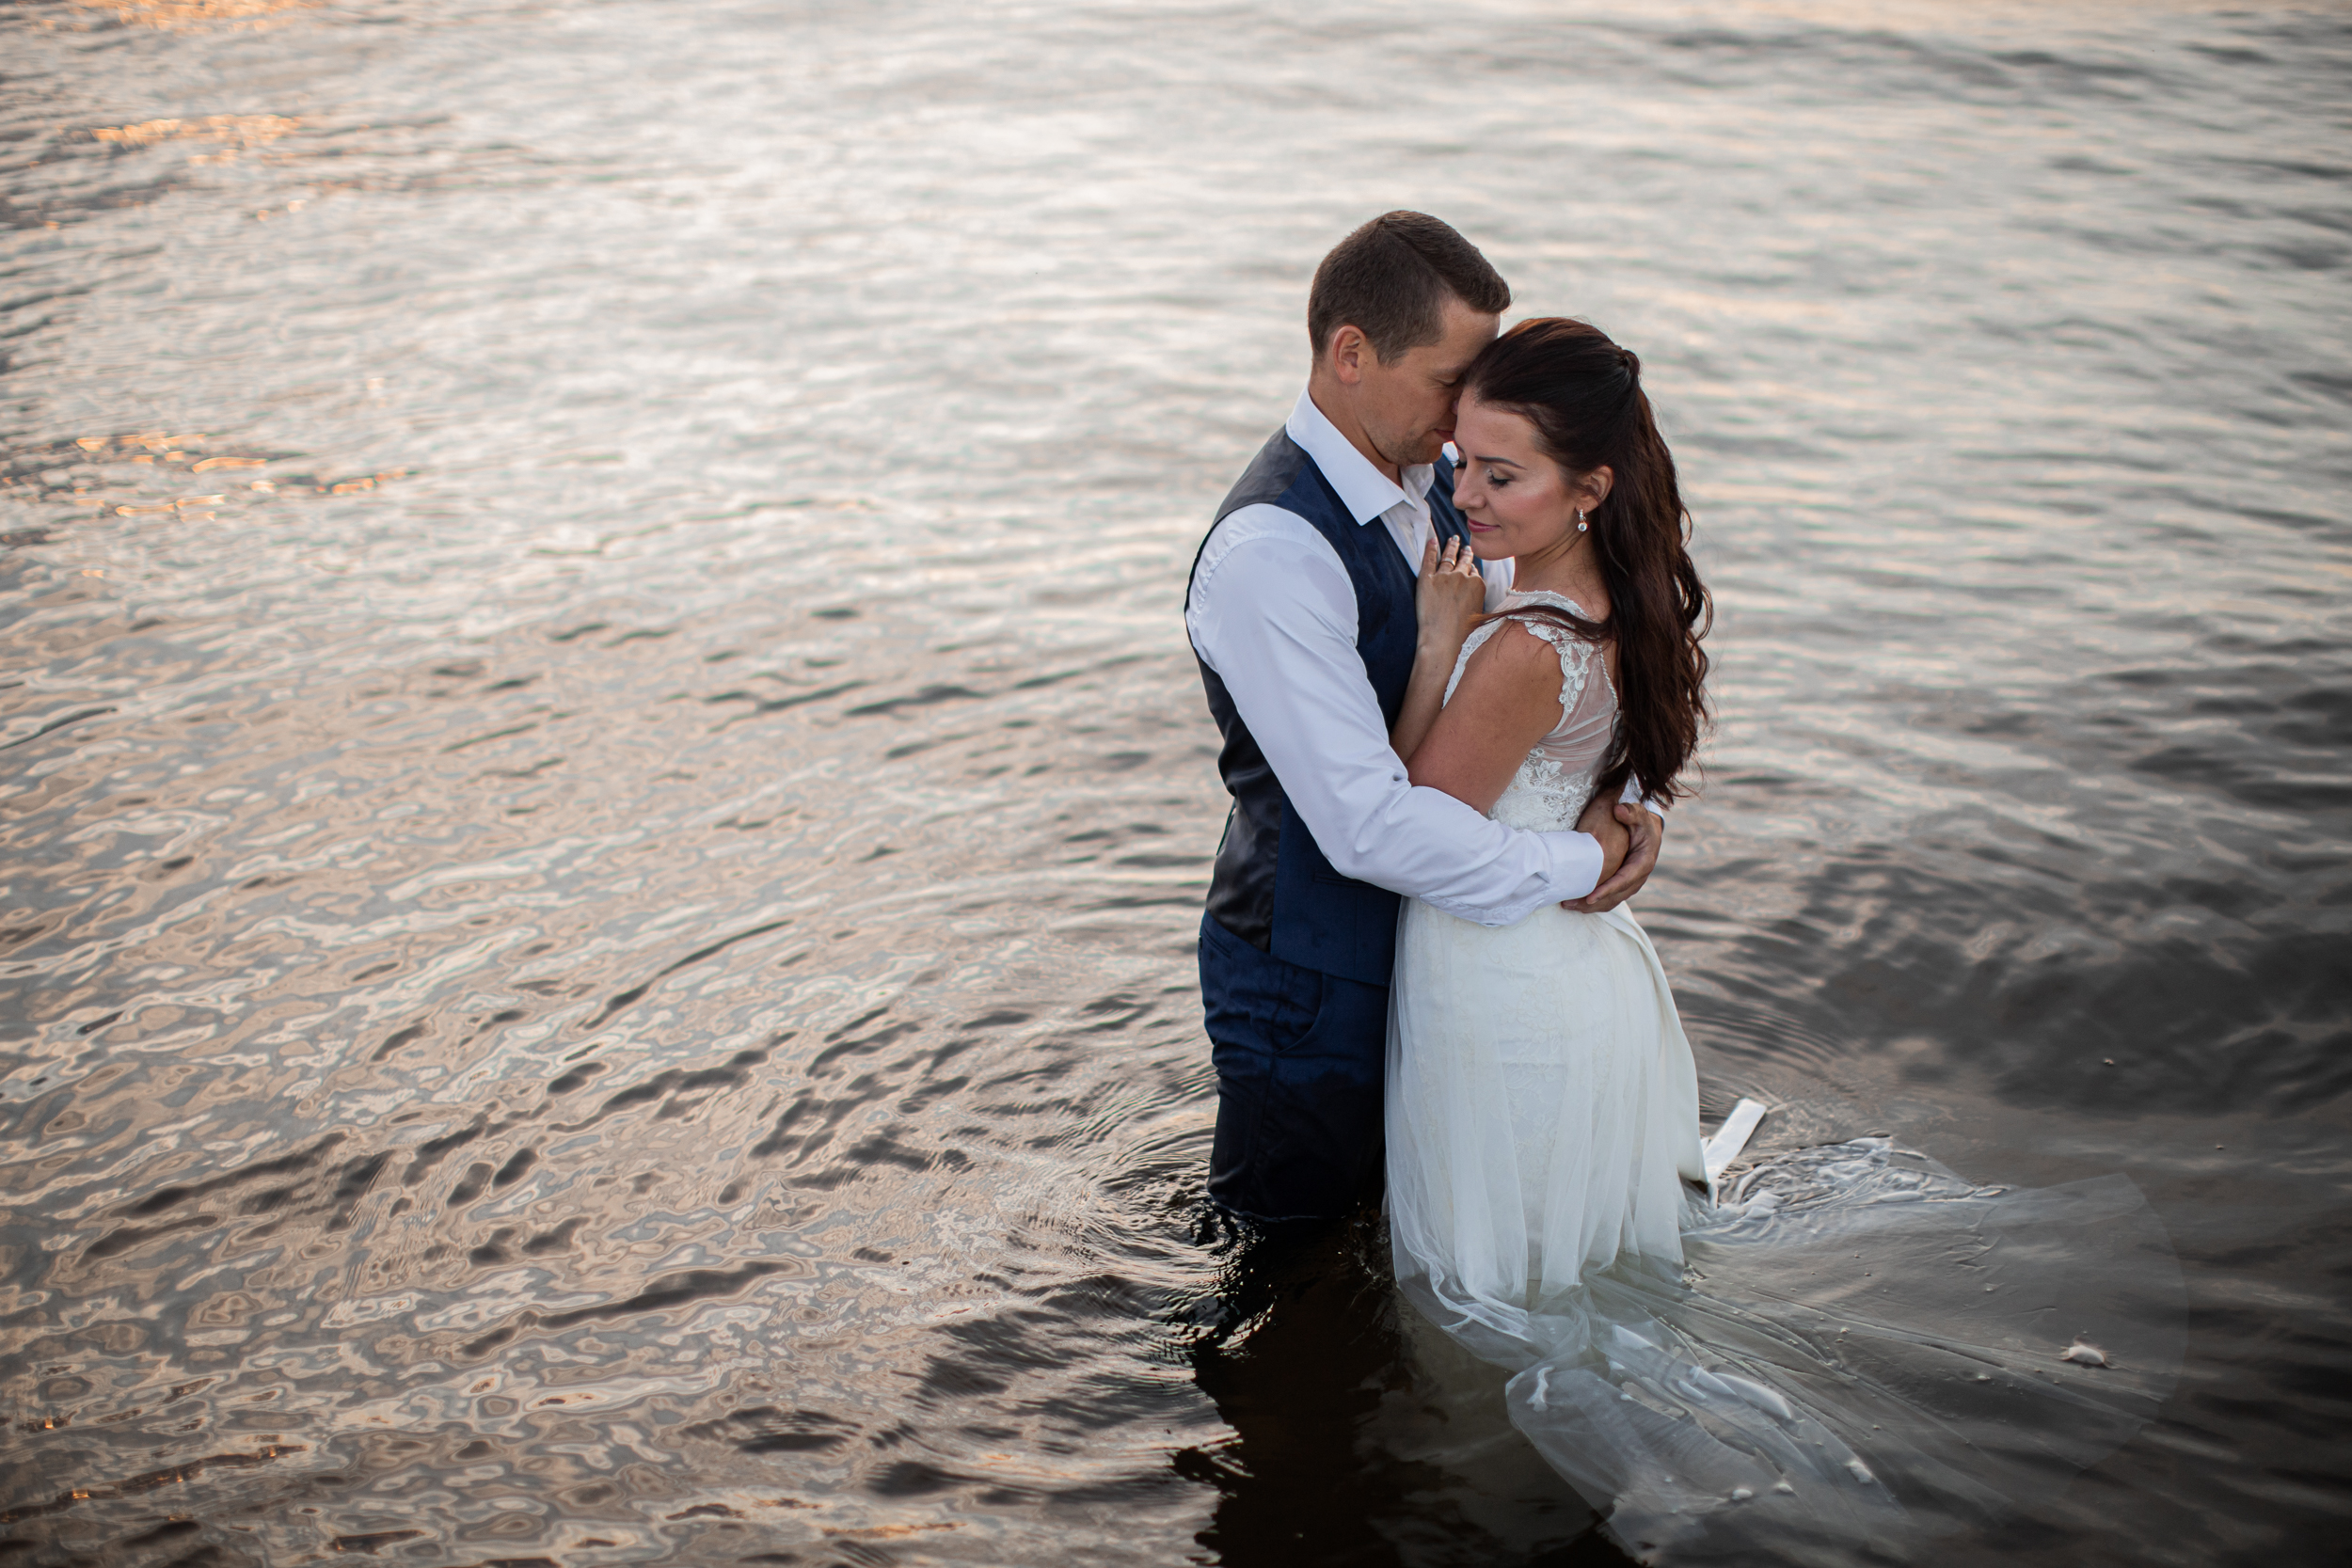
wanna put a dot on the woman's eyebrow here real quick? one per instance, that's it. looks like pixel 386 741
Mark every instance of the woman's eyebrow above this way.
pixel 1504 461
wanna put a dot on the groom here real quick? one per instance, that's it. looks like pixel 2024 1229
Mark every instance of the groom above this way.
pixel 1301 610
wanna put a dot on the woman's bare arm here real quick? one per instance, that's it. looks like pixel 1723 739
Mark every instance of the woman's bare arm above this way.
pixel 1509 699
pixel 1446 600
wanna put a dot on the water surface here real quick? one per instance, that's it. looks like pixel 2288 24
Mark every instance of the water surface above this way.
pixel 604 806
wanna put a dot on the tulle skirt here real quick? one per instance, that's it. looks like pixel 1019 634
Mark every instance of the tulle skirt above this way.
pixel 1543 1107
pixel 1848 1353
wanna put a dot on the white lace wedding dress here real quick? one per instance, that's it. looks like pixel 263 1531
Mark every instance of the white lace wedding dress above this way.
pixel 1853 1351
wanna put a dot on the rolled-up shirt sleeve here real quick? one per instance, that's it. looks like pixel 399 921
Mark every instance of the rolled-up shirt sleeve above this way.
pixel 1272 612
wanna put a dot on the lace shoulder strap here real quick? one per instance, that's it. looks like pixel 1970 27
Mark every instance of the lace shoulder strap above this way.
pixel 1576 654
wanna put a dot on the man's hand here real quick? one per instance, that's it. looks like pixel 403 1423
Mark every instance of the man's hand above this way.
pixel 1644 833
pixel 1616 839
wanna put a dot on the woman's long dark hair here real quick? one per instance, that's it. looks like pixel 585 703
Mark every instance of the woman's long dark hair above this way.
pixel 1584 395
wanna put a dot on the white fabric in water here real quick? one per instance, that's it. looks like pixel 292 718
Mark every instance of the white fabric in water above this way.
pixel 1853 1353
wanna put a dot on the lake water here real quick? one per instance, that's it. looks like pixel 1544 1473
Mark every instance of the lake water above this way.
pixel 604 804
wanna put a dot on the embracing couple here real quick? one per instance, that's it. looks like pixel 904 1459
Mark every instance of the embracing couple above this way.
pixel 1454 687
pixel 1449 627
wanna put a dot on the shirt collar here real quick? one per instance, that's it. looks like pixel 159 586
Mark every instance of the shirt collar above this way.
pixel 1364 490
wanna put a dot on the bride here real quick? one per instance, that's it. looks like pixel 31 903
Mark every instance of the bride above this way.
pixel 1560 1028
pixel 1855 1347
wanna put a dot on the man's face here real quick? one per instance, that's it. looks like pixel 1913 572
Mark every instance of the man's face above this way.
pixel 1406 406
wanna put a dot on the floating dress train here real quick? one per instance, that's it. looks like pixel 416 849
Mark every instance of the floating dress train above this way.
pixel 1846 1352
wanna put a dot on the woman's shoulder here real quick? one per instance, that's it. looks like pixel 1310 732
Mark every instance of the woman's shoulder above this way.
pixel 1521 651
pixel 1537 657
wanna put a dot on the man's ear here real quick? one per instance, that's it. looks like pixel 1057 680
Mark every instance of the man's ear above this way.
pixel 1350 352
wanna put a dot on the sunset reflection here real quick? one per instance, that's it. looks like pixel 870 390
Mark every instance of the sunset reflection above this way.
pixel 190 13
pixel 240 130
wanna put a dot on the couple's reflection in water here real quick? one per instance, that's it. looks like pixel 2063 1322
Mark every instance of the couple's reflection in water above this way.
pixel 1361 1434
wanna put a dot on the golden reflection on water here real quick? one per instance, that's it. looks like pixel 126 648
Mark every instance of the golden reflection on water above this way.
pixel 108 474
pixel 191 13
pixel 243 130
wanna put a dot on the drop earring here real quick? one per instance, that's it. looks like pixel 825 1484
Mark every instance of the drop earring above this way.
pixel 1581 524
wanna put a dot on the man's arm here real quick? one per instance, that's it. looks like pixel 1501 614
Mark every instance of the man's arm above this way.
pixel 1273 614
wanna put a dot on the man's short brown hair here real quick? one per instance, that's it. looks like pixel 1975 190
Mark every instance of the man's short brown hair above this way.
pixel 1390 280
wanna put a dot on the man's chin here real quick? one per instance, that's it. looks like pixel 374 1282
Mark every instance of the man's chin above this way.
pixel 1419 453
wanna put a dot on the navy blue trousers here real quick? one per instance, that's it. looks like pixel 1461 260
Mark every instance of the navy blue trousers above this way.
pixel 1300 1057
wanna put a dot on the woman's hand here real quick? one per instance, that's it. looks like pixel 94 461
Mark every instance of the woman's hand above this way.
pixel 1447 598
pixel 1449 595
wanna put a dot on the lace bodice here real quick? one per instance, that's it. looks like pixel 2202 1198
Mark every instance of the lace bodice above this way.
pixel 1549 792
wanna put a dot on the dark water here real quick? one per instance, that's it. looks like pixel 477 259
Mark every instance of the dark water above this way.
pixel 604 804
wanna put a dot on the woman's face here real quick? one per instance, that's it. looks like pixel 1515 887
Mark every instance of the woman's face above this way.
pixel 1515 498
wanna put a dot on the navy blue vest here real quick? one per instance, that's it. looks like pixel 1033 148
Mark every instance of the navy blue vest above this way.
pixel 1272 887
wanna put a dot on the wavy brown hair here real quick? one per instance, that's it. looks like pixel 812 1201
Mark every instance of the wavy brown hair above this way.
pixel 1584 395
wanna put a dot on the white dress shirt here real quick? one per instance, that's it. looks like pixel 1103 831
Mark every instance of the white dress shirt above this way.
pixel 1273 612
